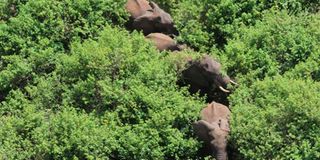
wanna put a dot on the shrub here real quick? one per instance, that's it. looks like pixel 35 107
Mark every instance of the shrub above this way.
pixel 114 97
pixel 10 8
pixel 41 30
pixel 273 46
pixel 43 134
pixel 212 23
pixel 56 23
pixel 310 69
pixel 71 89
pixel 276 118
pixel 187 17
pixel 168 5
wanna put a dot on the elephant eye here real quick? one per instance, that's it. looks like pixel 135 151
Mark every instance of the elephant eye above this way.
pixel 206 66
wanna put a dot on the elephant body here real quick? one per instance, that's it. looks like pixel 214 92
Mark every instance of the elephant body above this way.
pixel 149 18
pixel 213 129
pixel 164 42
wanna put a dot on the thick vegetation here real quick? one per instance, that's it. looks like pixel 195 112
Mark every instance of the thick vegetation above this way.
pixel 277 118
pixel 275 45
pixel 211 23
pixel 113 89
pixel 75 84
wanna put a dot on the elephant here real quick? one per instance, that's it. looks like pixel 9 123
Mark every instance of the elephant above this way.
pixel 213 129
pixel 164 42
pixel 154 20
pixel 204 75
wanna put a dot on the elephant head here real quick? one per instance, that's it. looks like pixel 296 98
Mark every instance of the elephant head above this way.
pixel 204 75
pixel 211 70
pixel 155 20
pixel 164 42
pixel 213 129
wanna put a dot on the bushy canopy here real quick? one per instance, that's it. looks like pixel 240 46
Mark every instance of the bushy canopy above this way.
pixel 136 109
pixel 38 24
pixel 211 23
pixel 275 45
pixel 75 84
pixel 277 118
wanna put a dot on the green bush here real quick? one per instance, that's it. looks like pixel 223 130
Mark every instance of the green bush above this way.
pixel 211 23
pixel 34 134
pixel 192 31
pixel 10 8
pixel 114 97
pixel 225 17
pixel 42 30
pixel 273 46
pixel 75 85
pixel 310 69
pixel 168 5
pixel 41 23
pixel 277 118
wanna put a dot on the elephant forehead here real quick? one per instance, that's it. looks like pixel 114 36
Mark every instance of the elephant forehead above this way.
pixel 210 65
pixel 166 18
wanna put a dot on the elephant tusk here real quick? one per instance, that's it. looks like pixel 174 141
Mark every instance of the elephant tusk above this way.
pixel 172 36
pixel 224 90
pixel 233 82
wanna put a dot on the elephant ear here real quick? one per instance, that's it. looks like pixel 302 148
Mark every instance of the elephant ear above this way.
pixel 159 13
pixel 202 129
pixel 154 6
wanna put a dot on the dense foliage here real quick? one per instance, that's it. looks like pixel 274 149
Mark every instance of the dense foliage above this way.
pixel 39 24
pixel 274 46
pixel 75 84
pixel 211 23
pixel 114 90
pixel 277 118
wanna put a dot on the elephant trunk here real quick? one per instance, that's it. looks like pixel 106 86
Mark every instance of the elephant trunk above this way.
pixel 221 155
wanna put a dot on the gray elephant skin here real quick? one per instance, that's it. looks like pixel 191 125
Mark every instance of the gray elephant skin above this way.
pixel 205 75
pixel 148 17
pixel 213 129
pixel 164 42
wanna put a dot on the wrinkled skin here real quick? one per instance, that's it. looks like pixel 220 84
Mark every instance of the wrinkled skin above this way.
pixel 204 75
pixel 155 20
pixel 164 42
pixel 213 129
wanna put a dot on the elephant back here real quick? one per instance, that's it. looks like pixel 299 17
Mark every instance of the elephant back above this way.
pixel 215 112
pixel 137 8
pixel 162 41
